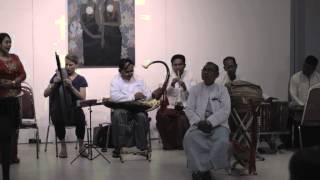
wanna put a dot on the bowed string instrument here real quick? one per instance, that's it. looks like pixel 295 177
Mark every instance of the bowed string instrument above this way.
pixel 64 95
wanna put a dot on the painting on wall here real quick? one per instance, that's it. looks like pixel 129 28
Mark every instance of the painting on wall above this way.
pixel 101 32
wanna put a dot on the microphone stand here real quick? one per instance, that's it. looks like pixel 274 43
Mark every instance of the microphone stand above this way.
pixel 90 146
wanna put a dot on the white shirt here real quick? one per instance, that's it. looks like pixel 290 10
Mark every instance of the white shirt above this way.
pixel 177 94
pixel 219 101
pixel 224 79
pixel 122 90
pixel 300 85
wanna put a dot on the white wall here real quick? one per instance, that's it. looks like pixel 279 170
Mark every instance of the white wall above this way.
pixel 16 19
pixel 256 32
pixel 306 28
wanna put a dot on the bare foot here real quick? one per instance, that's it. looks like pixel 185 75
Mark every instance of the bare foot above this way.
pixel 63 153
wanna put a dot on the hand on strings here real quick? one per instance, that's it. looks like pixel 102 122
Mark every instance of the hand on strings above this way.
pixel 68 82
pixel 139 96
pixel 205 126
pixel 56 79
pixel 270 99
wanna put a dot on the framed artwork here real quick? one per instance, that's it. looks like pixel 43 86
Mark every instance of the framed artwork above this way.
pixel 101 32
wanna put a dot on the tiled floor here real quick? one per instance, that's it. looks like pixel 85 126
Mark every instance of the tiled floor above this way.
pixel 165 165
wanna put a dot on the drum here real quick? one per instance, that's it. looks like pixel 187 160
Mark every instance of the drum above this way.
pixel 265 120
pixel 274 116
pixel 244 95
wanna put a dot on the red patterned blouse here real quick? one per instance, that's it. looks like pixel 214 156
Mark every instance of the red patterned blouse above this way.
pixel 11 70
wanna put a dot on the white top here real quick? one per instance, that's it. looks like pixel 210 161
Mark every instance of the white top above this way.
pixel 122 90
pixel 300 85
pixel 219 101
pixel 224 78
pixel 177 94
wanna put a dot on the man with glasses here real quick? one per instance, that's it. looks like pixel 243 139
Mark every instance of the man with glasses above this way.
pixel 206 142
pixel 128 128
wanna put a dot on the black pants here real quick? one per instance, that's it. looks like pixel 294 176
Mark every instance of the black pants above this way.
pixel 79 123
pixel 9 118
pixel 5 143
pixel 13 146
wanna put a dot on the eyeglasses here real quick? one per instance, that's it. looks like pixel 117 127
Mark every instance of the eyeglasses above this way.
pixel 128 72
pixel 208 70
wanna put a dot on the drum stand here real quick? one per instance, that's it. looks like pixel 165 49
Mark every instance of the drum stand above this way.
pixel 246 132
pixel 90 146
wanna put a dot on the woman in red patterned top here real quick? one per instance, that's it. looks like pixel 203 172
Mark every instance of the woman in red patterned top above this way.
pixel 11 75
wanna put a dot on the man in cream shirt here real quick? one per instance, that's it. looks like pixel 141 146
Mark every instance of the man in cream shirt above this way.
pixel 230 66
pixel 302 81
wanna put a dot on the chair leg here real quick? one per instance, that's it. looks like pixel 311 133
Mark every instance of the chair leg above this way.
pixel 76 147
pixel 229 171
pixel 105 149
pixel 37 145
pixel 292 136
pixel 149 145
pixel 300 137
pixel 46 145
pixel 230 153
pixel 56 146
pixel 121 155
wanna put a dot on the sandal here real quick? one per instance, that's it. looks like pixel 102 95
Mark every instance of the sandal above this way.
pixel 63 154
